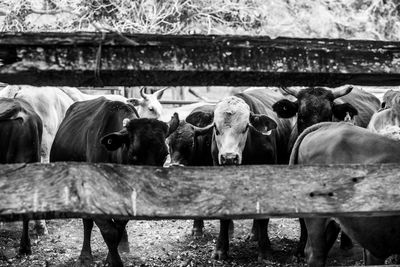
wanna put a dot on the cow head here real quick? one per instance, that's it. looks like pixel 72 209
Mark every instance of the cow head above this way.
pixel 144 140
pixel 232 121
pixel 314 105
pixel 391 99
pixel 149 105
pixel 187 148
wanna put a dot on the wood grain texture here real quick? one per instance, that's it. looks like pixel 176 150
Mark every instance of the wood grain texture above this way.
pixel 69 190
pixel 168 60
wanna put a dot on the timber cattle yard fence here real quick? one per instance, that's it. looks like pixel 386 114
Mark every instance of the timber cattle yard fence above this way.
pixel 70 190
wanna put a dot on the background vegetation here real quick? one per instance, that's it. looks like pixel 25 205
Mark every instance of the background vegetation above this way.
pixel 350 19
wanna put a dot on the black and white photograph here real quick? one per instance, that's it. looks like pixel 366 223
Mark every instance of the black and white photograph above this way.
pixel 191 133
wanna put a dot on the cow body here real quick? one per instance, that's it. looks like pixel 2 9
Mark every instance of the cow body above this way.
pixel 314 105
pixel 93 131
pixel 20 139
pixel 338 143
pixel 187 149
pixel 245 130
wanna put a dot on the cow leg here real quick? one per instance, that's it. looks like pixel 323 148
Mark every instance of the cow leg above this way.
pixel 370 259
pixel 86 258
pixel 197 228
pixel 124 242
pixel 41 228
pixel 25 245
pixel 303 239
pixel 321 236
pixel 112 233
pixel 345 241
pixel 222 246
pixel 254 232
pixel 264 245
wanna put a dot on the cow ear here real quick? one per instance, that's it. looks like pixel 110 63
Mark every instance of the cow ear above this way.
pixel 135 101
pixel 200 118
pixel 173 124
pixel 262 123
pixel 113 141
pixel 340 110
pixel 285 108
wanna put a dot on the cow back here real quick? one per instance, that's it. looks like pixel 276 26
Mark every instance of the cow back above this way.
pixel 20 132
pixel 78 137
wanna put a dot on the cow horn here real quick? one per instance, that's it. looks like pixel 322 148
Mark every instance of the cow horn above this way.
pixel 341 92
pixel 159 93
pixel 202 130
pixel 143 94
pixel 290 91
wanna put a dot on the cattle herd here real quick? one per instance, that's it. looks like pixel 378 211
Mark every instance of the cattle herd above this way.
pixel 257 126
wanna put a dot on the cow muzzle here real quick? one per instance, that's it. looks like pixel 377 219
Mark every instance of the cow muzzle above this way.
pixel 229 159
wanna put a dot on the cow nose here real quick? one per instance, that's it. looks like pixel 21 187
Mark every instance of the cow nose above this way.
pixel 229 159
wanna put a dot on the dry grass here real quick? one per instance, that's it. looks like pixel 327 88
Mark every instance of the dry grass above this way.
pixel 350 19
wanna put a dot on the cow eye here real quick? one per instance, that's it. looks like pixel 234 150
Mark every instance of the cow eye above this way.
pixel 216 130
pixel 151 109
pixel 245 129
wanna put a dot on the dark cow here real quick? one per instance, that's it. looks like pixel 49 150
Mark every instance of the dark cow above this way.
pixel 335 143
pixel 316 104
pixel 187 149
pixel 245 130
pixel 20 140
pixel 102 130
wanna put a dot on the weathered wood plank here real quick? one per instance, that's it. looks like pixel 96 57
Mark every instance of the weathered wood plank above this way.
pixel 167 60
pixel 136 192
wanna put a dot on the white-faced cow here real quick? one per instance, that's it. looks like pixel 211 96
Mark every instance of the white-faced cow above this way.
pixel 245 130
pixel 336 143
pixel 387 120
pixel 149 105
pixel 20 138
pixel 101 130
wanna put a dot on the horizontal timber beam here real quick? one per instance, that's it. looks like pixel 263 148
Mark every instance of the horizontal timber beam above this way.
pixel 110 59
pixel 69 190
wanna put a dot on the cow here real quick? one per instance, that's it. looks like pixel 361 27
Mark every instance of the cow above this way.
pixel 148 106
pixel 337 143
pixel 101 130
pixel 20 139
pixel 245 130
pixel 189 150
pixel 387 120
pixel 388 98
pixel 317 104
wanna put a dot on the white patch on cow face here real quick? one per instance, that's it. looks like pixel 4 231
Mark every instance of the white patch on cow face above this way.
pixel 231 121
pixel 150 107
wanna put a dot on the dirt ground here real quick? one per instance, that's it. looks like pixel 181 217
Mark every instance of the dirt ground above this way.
pixel 161 243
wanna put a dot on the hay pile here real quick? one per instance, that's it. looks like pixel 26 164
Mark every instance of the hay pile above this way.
pixel 349 19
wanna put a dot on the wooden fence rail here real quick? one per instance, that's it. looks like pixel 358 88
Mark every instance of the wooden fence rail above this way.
pixel 97 59
pixel 69 190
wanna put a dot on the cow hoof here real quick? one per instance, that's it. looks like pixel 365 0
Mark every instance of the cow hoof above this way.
pixel 41 228
pixel 25 250
pixel 123 247
pixel 252 237
pixel 262 256
pixel 346 246
pixel 84 261
pixel 196 232
pixel 220 255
